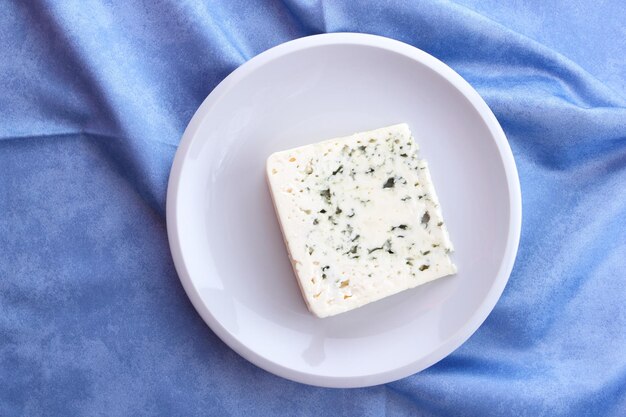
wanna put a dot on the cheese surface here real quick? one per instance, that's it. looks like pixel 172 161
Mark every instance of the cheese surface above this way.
pixel 360 218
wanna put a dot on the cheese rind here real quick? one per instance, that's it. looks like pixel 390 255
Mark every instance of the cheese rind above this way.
pixel 360 218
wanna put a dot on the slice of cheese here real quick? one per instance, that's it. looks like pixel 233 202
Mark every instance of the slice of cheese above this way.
pixel 360 218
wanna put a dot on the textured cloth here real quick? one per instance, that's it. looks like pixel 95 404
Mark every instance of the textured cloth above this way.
pixel 94 98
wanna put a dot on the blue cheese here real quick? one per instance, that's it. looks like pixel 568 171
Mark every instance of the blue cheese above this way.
pixel 360 218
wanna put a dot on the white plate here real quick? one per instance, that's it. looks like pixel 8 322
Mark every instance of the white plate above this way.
pixel 227 244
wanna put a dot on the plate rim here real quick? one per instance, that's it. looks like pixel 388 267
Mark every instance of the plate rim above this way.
pixel 512 180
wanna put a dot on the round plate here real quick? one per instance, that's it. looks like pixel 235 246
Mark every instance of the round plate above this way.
pixel 226 241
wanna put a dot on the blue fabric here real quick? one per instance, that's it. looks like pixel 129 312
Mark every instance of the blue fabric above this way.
pixel 94 98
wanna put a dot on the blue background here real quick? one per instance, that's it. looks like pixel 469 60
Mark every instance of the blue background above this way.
pixel 94 97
